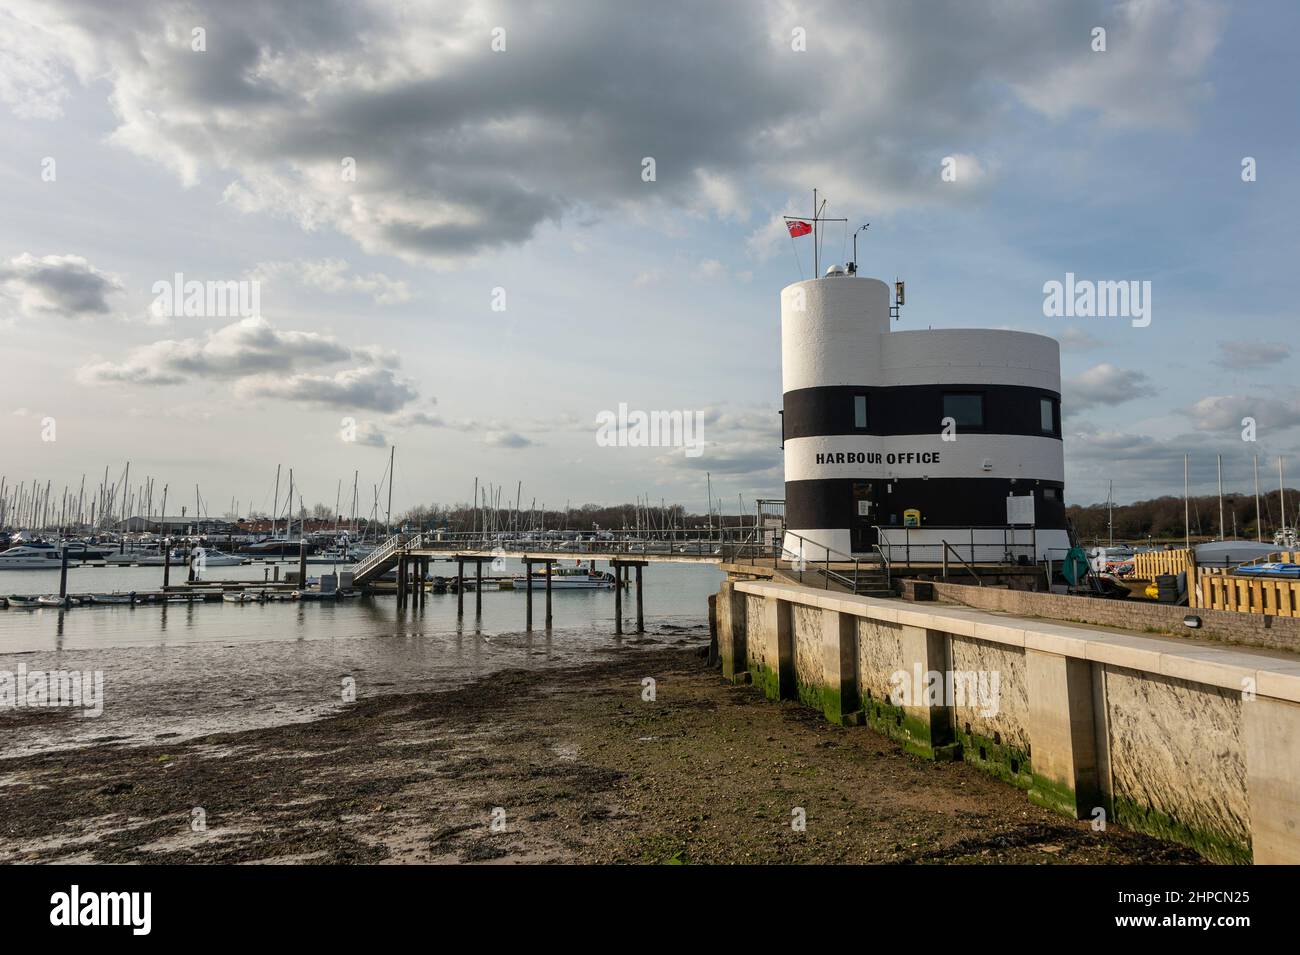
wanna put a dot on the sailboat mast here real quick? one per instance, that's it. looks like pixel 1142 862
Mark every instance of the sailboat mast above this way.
pixel 1222 528
pixel 1259 524
pixel 388 521
pixel 275 505
pixel 1281 492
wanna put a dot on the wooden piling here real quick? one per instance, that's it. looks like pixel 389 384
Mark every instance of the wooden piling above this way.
pixel 640 615
pixel 478 588
pixel 63 574
pixel 302 563
pixel 618 597
pixel 548 594
pixel 528 593
pixel 167 564
pixel 460 589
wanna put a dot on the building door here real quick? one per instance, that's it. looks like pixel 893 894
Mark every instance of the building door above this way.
pixel 865 516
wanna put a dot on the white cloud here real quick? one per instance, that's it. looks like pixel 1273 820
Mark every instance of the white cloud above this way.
pixel 1225 412
pixel 1104 384
pixel 334 276
pixel 57 285
pixel 1243 355
pixel 459 150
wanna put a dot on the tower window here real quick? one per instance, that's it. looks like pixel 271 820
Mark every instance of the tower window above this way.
pixel 1047 415
pixel 966 409
pixel 859 411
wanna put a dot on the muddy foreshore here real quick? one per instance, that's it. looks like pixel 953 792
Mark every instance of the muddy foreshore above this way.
pixel 560 765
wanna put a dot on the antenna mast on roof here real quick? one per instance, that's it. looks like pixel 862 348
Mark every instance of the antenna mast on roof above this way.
pixel 816 218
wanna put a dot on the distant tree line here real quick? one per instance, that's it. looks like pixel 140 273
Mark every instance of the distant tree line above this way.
pixel 1161 518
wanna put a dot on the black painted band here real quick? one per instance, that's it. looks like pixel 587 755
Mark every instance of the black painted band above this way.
pixel 959 502
pixel 914 409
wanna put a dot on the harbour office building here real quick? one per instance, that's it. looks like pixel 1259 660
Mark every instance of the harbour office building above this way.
pixel 905 439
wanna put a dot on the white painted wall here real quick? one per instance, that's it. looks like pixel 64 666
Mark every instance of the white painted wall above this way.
pixel 1010 455
pixel 830 331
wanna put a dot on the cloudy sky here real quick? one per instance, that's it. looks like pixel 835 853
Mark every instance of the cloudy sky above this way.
pixel 458 252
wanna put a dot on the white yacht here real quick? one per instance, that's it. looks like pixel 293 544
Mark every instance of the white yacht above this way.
pixel 215 558
pixel 567 579
pixel 33 556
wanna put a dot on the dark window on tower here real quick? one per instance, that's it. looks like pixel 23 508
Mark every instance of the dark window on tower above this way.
pixel 967 410
pixel 1047 415
pixel 859 411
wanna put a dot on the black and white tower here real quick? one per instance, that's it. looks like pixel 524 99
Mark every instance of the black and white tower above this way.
pixel 910 438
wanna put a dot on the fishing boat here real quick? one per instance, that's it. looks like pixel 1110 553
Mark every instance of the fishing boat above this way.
pixel 23 602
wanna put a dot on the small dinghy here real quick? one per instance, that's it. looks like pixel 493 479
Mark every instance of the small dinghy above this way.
pixel 54 600
pixel 238 598
pixel 110 598
pixel 17 602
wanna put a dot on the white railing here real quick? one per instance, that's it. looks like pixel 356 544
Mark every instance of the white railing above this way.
pixel 377 557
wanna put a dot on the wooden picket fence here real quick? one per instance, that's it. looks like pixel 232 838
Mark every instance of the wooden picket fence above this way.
pixel 1146 566
pixel 1217 590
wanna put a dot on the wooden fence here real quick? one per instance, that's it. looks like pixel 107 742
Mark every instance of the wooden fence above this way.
pixel 1148 565
pixel 1217 590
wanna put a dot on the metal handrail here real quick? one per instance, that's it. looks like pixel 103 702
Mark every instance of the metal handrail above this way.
pixel 949 547
pixel 378 555
pixel 889 570
pixel 826 560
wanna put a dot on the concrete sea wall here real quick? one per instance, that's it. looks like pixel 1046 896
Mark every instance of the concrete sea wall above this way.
pixel 1244 629
pixel 1193 743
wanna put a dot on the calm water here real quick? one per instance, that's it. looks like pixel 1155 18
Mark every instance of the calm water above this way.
pixel 188 669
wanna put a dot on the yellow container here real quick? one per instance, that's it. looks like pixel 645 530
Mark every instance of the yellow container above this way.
pixel 911 517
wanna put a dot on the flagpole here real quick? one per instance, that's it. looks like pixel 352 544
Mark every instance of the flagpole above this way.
pixel 816 256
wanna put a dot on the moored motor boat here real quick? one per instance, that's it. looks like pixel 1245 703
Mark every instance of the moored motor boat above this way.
pixel 33 556
pixel 238 597
pixel 211 557
pixel 23 602
pixel 111 598
pixel 568 579
pixel 54 600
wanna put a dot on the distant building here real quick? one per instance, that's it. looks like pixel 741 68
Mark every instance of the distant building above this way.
pixel 178 525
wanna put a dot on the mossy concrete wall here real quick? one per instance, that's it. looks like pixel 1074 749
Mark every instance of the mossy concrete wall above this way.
pixel 1178 762
pixel 1192 743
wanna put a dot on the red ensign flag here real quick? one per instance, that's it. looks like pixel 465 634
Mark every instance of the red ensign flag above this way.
pixel 797 228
